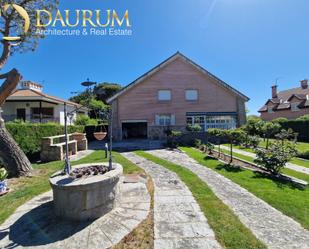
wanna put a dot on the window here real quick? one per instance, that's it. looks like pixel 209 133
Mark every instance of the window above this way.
pixel 47 112
pixel 164 95
pixel 206 122
pixel 294 107
pixel 191 95
pixel 270 110
pixel 165 119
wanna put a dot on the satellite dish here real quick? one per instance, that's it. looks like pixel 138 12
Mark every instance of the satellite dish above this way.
pixel 88 83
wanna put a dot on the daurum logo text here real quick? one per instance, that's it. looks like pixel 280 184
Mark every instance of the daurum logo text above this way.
pixel 68 18
pixel 82 18
pixel 23 13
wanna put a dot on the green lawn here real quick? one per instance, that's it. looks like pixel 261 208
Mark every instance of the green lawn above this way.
pixel 286 171
pixel 25 188
pixel 301 146
pixel 289 199
pixel 229 231
pixel 294 160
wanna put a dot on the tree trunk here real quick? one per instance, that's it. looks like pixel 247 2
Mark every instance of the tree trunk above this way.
pixel 13 158
pixel 231 152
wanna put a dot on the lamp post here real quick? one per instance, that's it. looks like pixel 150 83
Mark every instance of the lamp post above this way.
pixel 108 115
pixel 67 166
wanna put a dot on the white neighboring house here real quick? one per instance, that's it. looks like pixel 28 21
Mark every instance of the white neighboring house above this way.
pixel 29 103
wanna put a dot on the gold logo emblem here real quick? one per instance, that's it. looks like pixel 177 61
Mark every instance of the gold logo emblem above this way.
pixel 23 13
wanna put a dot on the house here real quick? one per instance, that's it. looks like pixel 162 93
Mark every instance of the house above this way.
pixel 174 94
pixel 290 104
pixel 29 103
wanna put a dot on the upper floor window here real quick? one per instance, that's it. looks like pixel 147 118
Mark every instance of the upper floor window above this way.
pixel 191 95
pixel 270 109
pixel 164 95
pixel 294 107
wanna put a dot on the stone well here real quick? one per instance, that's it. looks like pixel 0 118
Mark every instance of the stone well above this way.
pixel 85 198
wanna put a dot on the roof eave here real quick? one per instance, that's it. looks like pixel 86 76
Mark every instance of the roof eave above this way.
pixel 173 57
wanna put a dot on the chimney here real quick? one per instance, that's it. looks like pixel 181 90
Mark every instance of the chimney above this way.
pixel 274 92
pixel 304 84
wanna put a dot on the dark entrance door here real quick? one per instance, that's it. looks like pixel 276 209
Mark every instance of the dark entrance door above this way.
pixel 21 114
pixel 134 130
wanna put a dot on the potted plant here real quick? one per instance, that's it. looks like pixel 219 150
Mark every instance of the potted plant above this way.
pixel 3 184
pixel 78 136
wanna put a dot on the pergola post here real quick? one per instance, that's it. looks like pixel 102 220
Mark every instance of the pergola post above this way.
pixel 40 110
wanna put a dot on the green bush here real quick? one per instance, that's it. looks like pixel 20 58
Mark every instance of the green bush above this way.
pixel 3 174
pixel 85 120
pixel 275 157
pixel 195 127
pixel 29 136
pixel 173 138
pixel 197 143
pixel 304 155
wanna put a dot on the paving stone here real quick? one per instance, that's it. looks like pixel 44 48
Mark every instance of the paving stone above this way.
pixel 275 229
pixel 35 225
pixel 184 243
pixel 178 220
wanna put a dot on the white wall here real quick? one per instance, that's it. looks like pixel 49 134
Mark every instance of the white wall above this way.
pixel 10 108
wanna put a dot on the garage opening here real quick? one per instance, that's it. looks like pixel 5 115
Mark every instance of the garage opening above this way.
pixel 134 130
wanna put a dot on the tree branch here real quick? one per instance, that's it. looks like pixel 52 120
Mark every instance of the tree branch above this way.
pixel 12 79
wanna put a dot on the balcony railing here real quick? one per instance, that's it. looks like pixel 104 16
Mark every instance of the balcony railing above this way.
pixel 32 118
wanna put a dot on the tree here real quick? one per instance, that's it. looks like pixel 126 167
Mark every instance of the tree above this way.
pixel 106 90
pixel 270 129
pixel 218 134
pixel 234 136
pixel 13 25
pixel 286 135
pixel 275 157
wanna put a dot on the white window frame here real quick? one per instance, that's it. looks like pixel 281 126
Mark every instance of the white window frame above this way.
pixel 164 95
pixel 191 95
pixel 165 119
pixel 224 122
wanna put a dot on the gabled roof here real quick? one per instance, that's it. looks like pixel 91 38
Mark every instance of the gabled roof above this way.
pixel 298 96
pixel 27 94
pixel 282 101
pixel 167 61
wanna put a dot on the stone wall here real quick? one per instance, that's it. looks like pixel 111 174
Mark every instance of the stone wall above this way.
pixel 241 110
pixel 157 132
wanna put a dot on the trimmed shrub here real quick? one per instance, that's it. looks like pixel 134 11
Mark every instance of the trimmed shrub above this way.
pixel 195 127
pixel 197 143
pixel 29 136
pixel 173 138
pixel 275 157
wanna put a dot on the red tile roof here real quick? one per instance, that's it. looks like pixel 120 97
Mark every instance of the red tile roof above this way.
pixel 282 101
pixel 29 93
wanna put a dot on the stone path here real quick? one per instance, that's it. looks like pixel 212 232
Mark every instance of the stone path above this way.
pixel 275 229
pixel 292 166
pixel 178 220
pixel 34 225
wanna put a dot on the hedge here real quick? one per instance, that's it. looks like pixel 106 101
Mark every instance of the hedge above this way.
pixel 299 126
pixel 29 136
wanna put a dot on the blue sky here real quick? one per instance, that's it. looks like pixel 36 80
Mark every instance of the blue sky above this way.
pixel 247 43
